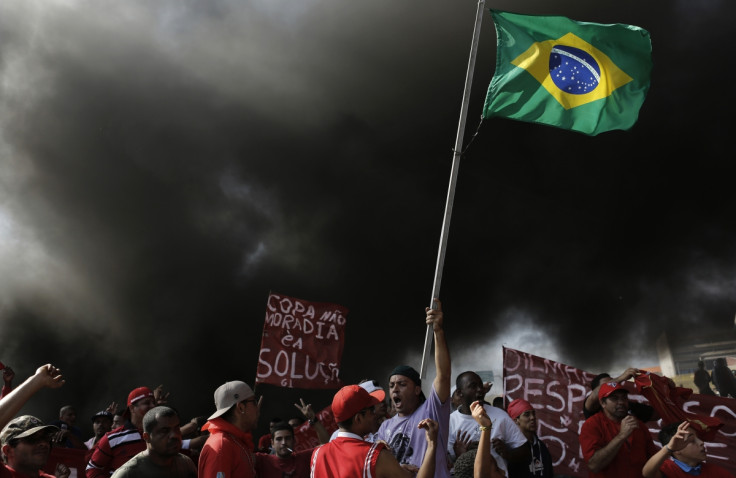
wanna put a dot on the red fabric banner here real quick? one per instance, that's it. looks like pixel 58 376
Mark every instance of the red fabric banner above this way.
pixel 302 343
pixel 557 392
pixel 668 400
pixel 74 458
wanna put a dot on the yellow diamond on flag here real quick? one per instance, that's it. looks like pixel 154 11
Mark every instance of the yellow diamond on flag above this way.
pixel 572 70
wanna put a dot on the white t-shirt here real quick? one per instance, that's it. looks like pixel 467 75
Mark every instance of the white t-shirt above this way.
pixel 503 427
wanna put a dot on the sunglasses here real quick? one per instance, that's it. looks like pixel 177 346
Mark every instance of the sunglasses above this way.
pixel 31 440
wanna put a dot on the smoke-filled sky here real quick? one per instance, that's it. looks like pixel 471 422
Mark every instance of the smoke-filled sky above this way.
pixel 164 165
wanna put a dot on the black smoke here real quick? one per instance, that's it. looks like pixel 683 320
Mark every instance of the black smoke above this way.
pixel 165 167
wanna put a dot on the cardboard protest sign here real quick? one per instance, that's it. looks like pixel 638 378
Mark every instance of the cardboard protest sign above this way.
pixel 302 343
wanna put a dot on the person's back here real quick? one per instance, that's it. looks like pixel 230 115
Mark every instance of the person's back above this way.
pixel 346 456
pixel 702 380
pixel 723 379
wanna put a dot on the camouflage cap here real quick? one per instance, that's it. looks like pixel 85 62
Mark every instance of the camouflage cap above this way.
pixel 24 426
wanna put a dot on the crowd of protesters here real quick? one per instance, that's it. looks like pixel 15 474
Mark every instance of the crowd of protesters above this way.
pixel 451 431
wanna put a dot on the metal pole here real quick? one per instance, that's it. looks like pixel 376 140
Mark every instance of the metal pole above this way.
pixel 453 180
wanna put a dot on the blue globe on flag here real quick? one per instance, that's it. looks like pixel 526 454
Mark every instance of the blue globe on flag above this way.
pixel 573 70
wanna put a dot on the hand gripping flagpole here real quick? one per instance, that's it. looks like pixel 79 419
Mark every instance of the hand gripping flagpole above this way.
pixel 457 152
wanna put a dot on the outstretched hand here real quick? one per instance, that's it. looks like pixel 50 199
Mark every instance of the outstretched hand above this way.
pixel 49 376
pixel 479 414
pixel 430 429
pixel 159 396
pixel 463 442
pixel 306 409
pixel 112 408
pixel 62 471
pixel 681 438
pixel 629 373
pixel 8 375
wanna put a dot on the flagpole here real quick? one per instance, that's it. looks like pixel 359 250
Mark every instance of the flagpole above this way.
pixel 453 180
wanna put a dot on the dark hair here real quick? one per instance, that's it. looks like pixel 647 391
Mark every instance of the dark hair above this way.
pixel 347 423
pixel 150 419
pixel 461 376
pixel 281 426
pixel 465 463
pixel 667 432
pixel 597 380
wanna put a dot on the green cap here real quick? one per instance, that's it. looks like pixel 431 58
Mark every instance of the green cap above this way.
pixel 24 426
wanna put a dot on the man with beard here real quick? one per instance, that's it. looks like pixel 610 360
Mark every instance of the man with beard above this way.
pixel 161 458
pixel 401 432
pixel 614 443
pixel 509 444
pixel 540 464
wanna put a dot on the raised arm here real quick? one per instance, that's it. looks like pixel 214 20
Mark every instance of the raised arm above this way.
pixel 309 414
pixel 46 376
pixel 677 443
pixel 485 464
pixel 429 462
pixel 435 318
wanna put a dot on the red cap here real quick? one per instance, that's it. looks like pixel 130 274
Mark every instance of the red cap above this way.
pixel 139 394
pixel 349 400
pixel 517 407
pixel 608 388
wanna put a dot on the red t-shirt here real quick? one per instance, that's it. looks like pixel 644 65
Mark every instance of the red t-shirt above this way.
pixel 228 450
pixel 271 466
pixel 346 456
pixel 7 472
pixel 599 430
pixel 707 470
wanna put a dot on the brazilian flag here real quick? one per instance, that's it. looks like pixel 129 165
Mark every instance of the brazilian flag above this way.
pixel 585 77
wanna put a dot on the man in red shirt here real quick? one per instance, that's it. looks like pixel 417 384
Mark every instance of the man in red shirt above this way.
pixel 614 443
pixel 285 461
pixel 26 441
pixel 350 455
pixel 228 451
pixel 121 444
